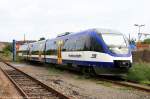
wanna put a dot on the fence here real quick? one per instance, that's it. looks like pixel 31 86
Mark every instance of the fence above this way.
pixel 142 46
pixel 141 55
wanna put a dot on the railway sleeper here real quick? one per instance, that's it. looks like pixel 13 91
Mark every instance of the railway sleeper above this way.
pixel 28 84
pixel 29 90
pixel 21 79
pixel 41 94
pixel 17 75
pixel 33 88
pixel 12 72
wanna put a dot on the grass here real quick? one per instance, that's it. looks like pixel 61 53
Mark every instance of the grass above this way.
pixel 107 84
pixel 140 72
pixel 125 88
pixel 54 70
pixel 82 77
pixel 6 55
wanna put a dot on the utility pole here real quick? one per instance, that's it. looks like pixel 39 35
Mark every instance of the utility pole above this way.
pixel 24 38
pixel 129 37
pixel 139 30
pixel 14 50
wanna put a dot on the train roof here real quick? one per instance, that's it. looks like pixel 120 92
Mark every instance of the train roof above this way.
pixel 97 30
pixel 42 41
pixel 102 30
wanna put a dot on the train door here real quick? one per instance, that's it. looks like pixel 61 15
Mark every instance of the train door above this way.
pixel 29 52
pixel 40 52
pixel 40 55
pixel 59 50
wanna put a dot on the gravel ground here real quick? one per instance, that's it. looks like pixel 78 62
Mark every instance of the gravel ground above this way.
pixel 78 87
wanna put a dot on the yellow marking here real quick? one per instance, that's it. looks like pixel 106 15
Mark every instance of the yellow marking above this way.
pixel 59 56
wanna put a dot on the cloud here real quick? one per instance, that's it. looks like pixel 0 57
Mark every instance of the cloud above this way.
pixel 48 18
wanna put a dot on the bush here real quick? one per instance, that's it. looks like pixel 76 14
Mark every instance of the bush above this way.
pixel 8 48
pixel 146 41
pixel 7 52
pixel 140 73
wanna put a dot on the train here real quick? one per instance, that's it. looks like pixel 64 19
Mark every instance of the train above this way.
pixel 102 51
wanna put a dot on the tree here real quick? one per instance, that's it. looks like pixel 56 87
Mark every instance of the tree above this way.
pixel 42 38
pixel 8 47
pixel 7 51
pixel 146 41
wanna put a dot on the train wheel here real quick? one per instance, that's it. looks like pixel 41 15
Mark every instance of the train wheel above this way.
pixel 88 71
pixel 92 71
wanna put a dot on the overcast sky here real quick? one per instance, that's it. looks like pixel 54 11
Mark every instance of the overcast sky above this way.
pixel 47 18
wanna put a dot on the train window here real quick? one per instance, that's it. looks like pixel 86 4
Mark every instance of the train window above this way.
pixel 66 46
pixel 87 43
pixel 41 46
pixel 95 46
pixel 82 43
pixel 72 44
pixel 33 49
pixel 63 47
pixel 51 48
pixel 54 49
pixel 23 49
pixel 48 47
pixel 78 43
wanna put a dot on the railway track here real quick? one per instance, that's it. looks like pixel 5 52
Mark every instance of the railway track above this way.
pixel 29 87
pixel 127 84
pixel 118 81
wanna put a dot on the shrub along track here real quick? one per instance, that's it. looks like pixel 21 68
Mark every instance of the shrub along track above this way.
pixel 29 87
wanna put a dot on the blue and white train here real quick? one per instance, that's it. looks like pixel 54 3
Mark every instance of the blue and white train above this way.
pixel 103 51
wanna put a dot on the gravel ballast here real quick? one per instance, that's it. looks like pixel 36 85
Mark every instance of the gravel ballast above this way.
pixel 77 87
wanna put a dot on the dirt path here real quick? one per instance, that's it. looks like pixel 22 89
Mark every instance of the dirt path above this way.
pixel 78 87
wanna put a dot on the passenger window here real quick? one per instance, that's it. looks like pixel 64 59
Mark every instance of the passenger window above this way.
pixel 82 43
pixel 95 46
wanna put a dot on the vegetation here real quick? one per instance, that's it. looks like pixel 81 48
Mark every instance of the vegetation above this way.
pixel 140 72
pixel 54 70
pixel 42 38
pixel 7 52
pixel 146 41
pixel 105 83
pixel 8 48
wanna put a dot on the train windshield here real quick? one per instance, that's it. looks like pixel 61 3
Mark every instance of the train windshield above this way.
pixel 116 43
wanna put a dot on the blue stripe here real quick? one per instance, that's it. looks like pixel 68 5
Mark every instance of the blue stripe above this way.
pixel 83 63
pixel 37 59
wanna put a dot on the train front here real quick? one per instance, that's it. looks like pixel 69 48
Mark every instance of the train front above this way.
pixel 117 57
